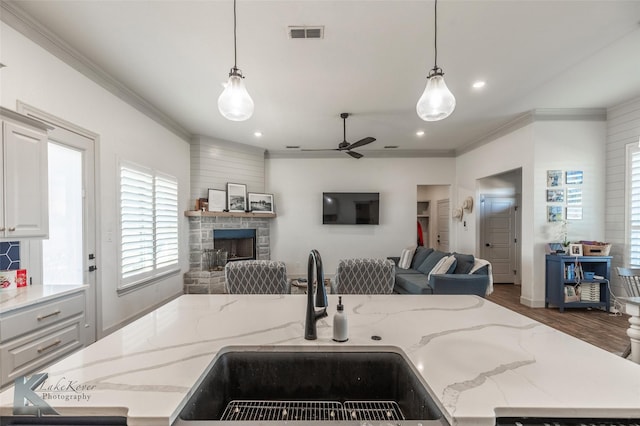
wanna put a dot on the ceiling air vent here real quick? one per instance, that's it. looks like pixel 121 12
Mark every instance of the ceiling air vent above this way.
pixel 306 32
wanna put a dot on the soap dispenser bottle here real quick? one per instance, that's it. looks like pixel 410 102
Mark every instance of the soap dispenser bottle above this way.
pixel 340 333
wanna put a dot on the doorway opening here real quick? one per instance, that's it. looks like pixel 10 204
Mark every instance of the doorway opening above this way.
pixel 68 256
pixel 500 227
pixel 433 216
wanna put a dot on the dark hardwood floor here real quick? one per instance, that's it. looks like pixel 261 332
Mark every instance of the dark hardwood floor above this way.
pixel 602 329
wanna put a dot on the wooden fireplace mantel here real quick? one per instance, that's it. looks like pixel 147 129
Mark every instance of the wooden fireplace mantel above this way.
pixel 198 213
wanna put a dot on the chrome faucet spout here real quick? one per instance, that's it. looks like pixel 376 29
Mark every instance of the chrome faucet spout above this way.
pixel 315 264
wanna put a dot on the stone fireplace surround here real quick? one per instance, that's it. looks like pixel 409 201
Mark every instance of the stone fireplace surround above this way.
pixel 201 281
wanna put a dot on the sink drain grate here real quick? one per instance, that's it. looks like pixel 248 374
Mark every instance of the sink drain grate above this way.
pixel 372 410
pixel 241 410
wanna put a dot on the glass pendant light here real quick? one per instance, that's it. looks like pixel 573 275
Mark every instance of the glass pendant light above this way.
pixel 234 103
pixel 437 102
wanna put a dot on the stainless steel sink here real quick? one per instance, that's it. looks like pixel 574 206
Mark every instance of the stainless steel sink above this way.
pixel 302 384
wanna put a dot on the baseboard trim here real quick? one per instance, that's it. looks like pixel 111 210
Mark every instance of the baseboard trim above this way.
pixel 531 303
pixel 129 320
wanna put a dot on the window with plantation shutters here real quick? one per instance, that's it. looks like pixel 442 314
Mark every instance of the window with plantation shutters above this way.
pixel 148 224
pixel 633 204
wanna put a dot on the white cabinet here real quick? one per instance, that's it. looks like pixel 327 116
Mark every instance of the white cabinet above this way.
pixel 23 177
pixel 36 335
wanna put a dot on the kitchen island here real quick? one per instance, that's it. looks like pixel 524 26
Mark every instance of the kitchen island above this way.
pixel 480 360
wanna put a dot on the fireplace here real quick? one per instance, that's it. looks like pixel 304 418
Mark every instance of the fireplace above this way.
pixel 240 244
pixel 205 239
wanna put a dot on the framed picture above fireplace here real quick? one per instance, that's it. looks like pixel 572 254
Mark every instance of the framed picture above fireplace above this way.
pixel 260 203
pixel 236 197
pixel 217 200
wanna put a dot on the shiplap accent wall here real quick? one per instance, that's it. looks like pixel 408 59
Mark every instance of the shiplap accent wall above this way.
pixel 215 162
pixel 623 128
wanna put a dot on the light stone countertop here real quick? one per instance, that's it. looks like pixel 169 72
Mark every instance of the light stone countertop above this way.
pixel 17 298
pixel 478 358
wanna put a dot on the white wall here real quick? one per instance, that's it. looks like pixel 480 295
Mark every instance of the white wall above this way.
pixel 216 162
pixel 39 79
pixel 298 185
pixel 536 148
pixel 623 129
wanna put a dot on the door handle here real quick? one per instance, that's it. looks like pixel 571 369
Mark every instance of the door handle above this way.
pixel 92 268
pixel 487 245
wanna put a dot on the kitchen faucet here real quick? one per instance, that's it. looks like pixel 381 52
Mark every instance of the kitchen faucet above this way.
pixel 321 296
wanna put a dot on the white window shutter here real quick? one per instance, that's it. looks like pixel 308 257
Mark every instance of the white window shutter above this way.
pixel 148 223
pixel 634 208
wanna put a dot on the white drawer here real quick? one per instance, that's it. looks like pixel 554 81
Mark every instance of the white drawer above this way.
pixel 41 315
pixel 32 352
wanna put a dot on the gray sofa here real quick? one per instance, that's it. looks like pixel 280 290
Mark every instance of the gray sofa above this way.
pixel 466 275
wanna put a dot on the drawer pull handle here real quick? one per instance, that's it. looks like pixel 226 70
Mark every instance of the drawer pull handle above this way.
pixel 53 345
pixel 41 317
pixel 13 228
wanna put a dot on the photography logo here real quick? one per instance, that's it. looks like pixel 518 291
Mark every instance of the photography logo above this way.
pixel 26 401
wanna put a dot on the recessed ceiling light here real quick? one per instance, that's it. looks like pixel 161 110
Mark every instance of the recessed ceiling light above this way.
pixel 479 84
pixel 420 133
pixel 257 134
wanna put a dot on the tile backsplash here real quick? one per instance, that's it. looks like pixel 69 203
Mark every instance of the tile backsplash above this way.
pixel 9 255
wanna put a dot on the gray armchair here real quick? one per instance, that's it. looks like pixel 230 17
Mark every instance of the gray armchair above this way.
pixel 256 277
pixel 364 276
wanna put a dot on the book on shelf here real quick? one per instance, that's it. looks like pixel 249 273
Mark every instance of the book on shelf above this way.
pixel 573 271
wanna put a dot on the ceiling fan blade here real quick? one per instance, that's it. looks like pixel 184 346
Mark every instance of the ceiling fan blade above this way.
pixel 355 154
pixel 362 142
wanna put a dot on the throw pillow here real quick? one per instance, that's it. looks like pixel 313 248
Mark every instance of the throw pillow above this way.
pixel 483 270
pixel 446 265
pixel 431 261
pixel 405 257
pixel 420 255
pixel 464 263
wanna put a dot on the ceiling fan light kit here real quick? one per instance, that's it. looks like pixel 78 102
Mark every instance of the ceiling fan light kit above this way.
pixel 234 103
pixel 437 102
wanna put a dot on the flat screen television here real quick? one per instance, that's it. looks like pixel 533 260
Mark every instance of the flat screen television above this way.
pixel 350 208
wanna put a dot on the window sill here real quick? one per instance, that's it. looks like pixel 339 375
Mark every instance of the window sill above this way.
pixel 136 285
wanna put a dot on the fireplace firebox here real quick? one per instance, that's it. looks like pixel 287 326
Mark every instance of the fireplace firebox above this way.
pixel 240 244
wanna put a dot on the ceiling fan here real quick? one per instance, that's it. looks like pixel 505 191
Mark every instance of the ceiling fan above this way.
pixel 346 146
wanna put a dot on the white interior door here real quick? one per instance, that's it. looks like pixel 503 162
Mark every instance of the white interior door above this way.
pixel 442 237
pixel 68 256
pixel 499 238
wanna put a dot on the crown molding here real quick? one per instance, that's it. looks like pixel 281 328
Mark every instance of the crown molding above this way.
pixel 569 114
pixel 12 15
pixel 511 126
pixel 389 153
pixel 540 114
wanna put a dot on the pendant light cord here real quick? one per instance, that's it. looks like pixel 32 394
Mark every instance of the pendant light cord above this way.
pixel 235 48
pixel 435 38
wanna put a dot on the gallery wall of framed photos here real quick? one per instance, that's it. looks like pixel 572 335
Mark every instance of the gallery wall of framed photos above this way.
pixel 564 195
